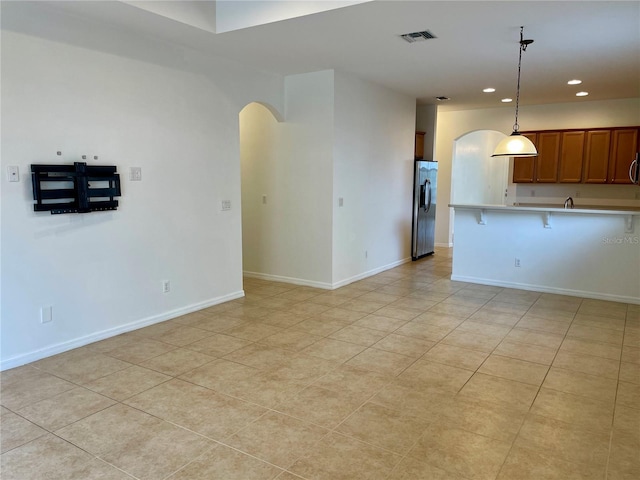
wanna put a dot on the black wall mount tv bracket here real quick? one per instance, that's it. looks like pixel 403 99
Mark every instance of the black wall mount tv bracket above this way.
pixel 77 188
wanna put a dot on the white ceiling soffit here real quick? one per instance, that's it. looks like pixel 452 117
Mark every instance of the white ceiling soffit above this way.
pixel 229 15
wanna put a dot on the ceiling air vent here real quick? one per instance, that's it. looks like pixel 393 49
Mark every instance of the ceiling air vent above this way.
pixel 418 36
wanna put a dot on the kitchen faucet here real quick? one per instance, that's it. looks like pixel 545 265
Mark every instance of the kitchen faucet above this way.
pixel 568 203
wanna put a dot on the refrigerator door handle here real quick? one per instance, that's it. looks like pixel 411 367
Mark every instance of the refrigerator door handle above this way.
pixel 427 183
pixel 423 192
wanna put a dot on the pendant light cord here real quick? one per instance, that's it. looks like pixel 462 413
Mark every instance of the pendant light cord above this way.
pixel 516 127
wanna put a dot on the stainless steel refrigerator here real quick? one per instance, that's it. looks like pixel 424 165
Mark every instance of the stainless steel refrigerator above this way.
pixel 424 208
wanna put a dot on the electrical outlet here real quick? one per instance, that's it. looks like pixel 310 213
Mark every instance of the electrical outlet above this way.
pixel 166 286
pixel 13 173
pixel 577 194
pixel 135 174
pixel 517 262
pixel 264 200
pixel 46 314
pixel 533 193
pixel 340 201
pixel 225 205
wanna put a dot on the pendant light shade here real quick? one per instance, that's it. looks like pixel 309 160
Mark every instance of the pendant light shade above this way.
pixel 516 145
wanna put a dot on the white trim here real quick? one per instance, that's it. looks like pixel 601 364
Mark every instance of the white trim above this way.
pixel 292 280
pixel 23 359
pixel 445 245
pixel 546 289
pixel 370 273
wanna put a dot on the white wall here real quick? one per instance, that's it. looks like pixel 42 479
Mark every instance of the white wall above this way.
pixel 174 114
pixel 426 116
pixel 453 124
pixel 476 177
pixel 289 237
pixel 373 173
pixel 583 255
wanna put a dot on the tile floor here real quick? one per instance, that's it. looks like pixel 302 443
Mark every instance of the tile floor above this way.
pixel 404 375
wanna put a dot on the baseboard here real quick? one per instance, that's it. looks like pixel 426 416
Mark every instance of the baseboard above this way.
pixel 291 280
pixel 445 245
pixel 29 357
pixel 547 289
pixel 370 273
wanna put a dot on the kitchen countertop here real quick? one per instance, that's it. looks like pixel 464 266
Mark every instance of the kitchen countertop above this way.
pixel 591 209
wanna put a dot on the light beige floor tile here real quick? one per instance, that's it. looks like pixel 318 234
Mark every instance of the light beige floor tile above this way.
pixel 564 441
pixel 177 362
pixel 334 350
pixel 350 459
pixel 138 443
pixel 347 378
pixel 358 335
pixel 472 341
pixel 428 403
pixel 247 310
pixel 486 329
pixel 183 335
pixel 321 406
pixel 381 361
pixel 54 459
pixel 514 369
pixel 218 324
pixel 157 329
pixel 589 347
pixel 138 352
pixel 413 303
pixel 590 364
pixel 218 345
pixel 495 317
pixel 501 391
pixel 527 352
pixel 283 319
pixel 16 431
pixel 462 311
pixel 466 299
pixel 386 428
pixel 501 306
pixel 378 322
pixel 266 388
pixel 262 357
pixel 624 460
pixel 583 384
pixel 319 326
pixel 303 368
pixel 224 463
pixel 597 321
pixel 252 331
pixel 439 320
pixel 603 335
pixel 379 297
pixel 464 453
pixel 628 395
pixel 217 374
pixel 525 464
pixel 109 344
pixel 409 346
pixel 529 322
pixel 275 303
pixel 551 313
pixel 425 331
pixel 491 420
pixel 342 315
pixel 424 374
pixel 364 306
pixel 18 392
pixel 412 468
pixel 294 340
pixel 610 309
pixel 277 439
pixel 542 339
pixel 309 308
pixel 128 382
pixel 573 409
pixel 630 372
pixel 627 420
pixel 631 354
pixel 399 313
pixel 65 408
pixel 81 366
pixel 196 408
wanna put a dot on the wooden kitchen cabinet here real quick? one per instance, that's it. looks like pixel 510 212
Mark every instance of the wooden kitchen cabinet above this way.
pixel 624 145
pixel 596 156
pixel 419 146
pixel 548 157
pixel 524 167
pixel 571 154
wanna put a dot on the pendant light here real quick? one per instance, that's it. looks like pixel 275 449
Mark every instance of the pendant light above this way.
pixel 516 145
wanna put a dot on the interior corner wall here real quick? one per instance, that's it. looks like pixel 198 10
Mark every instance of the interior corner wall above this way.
pixel 579 114
pixel 426 122
pixel 373 175
pixel 102 273
pixel 287 184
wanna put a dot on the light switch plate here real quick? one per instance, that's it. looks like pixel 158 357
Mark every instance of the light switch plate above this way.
pixel 13 173
pixel 135 174
pixel 225 205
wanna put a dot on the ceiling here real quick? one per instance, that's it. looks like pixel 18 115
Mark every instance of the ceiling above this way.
pixel 476 45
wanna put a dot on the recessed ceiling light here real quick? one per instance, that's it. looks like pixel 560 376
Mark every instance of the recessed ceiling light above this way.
pixel 574 82
pixel 442 99
pixel 582 94
pixel 506 100
pixel 489 90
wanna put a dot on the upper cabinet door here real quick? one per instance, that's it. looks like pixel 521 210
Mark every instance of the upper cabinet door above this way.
pixel 419 146
pixel 548 155
pixel 571 157
pixel 624 145
pixel 524 167
pixel 596 156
